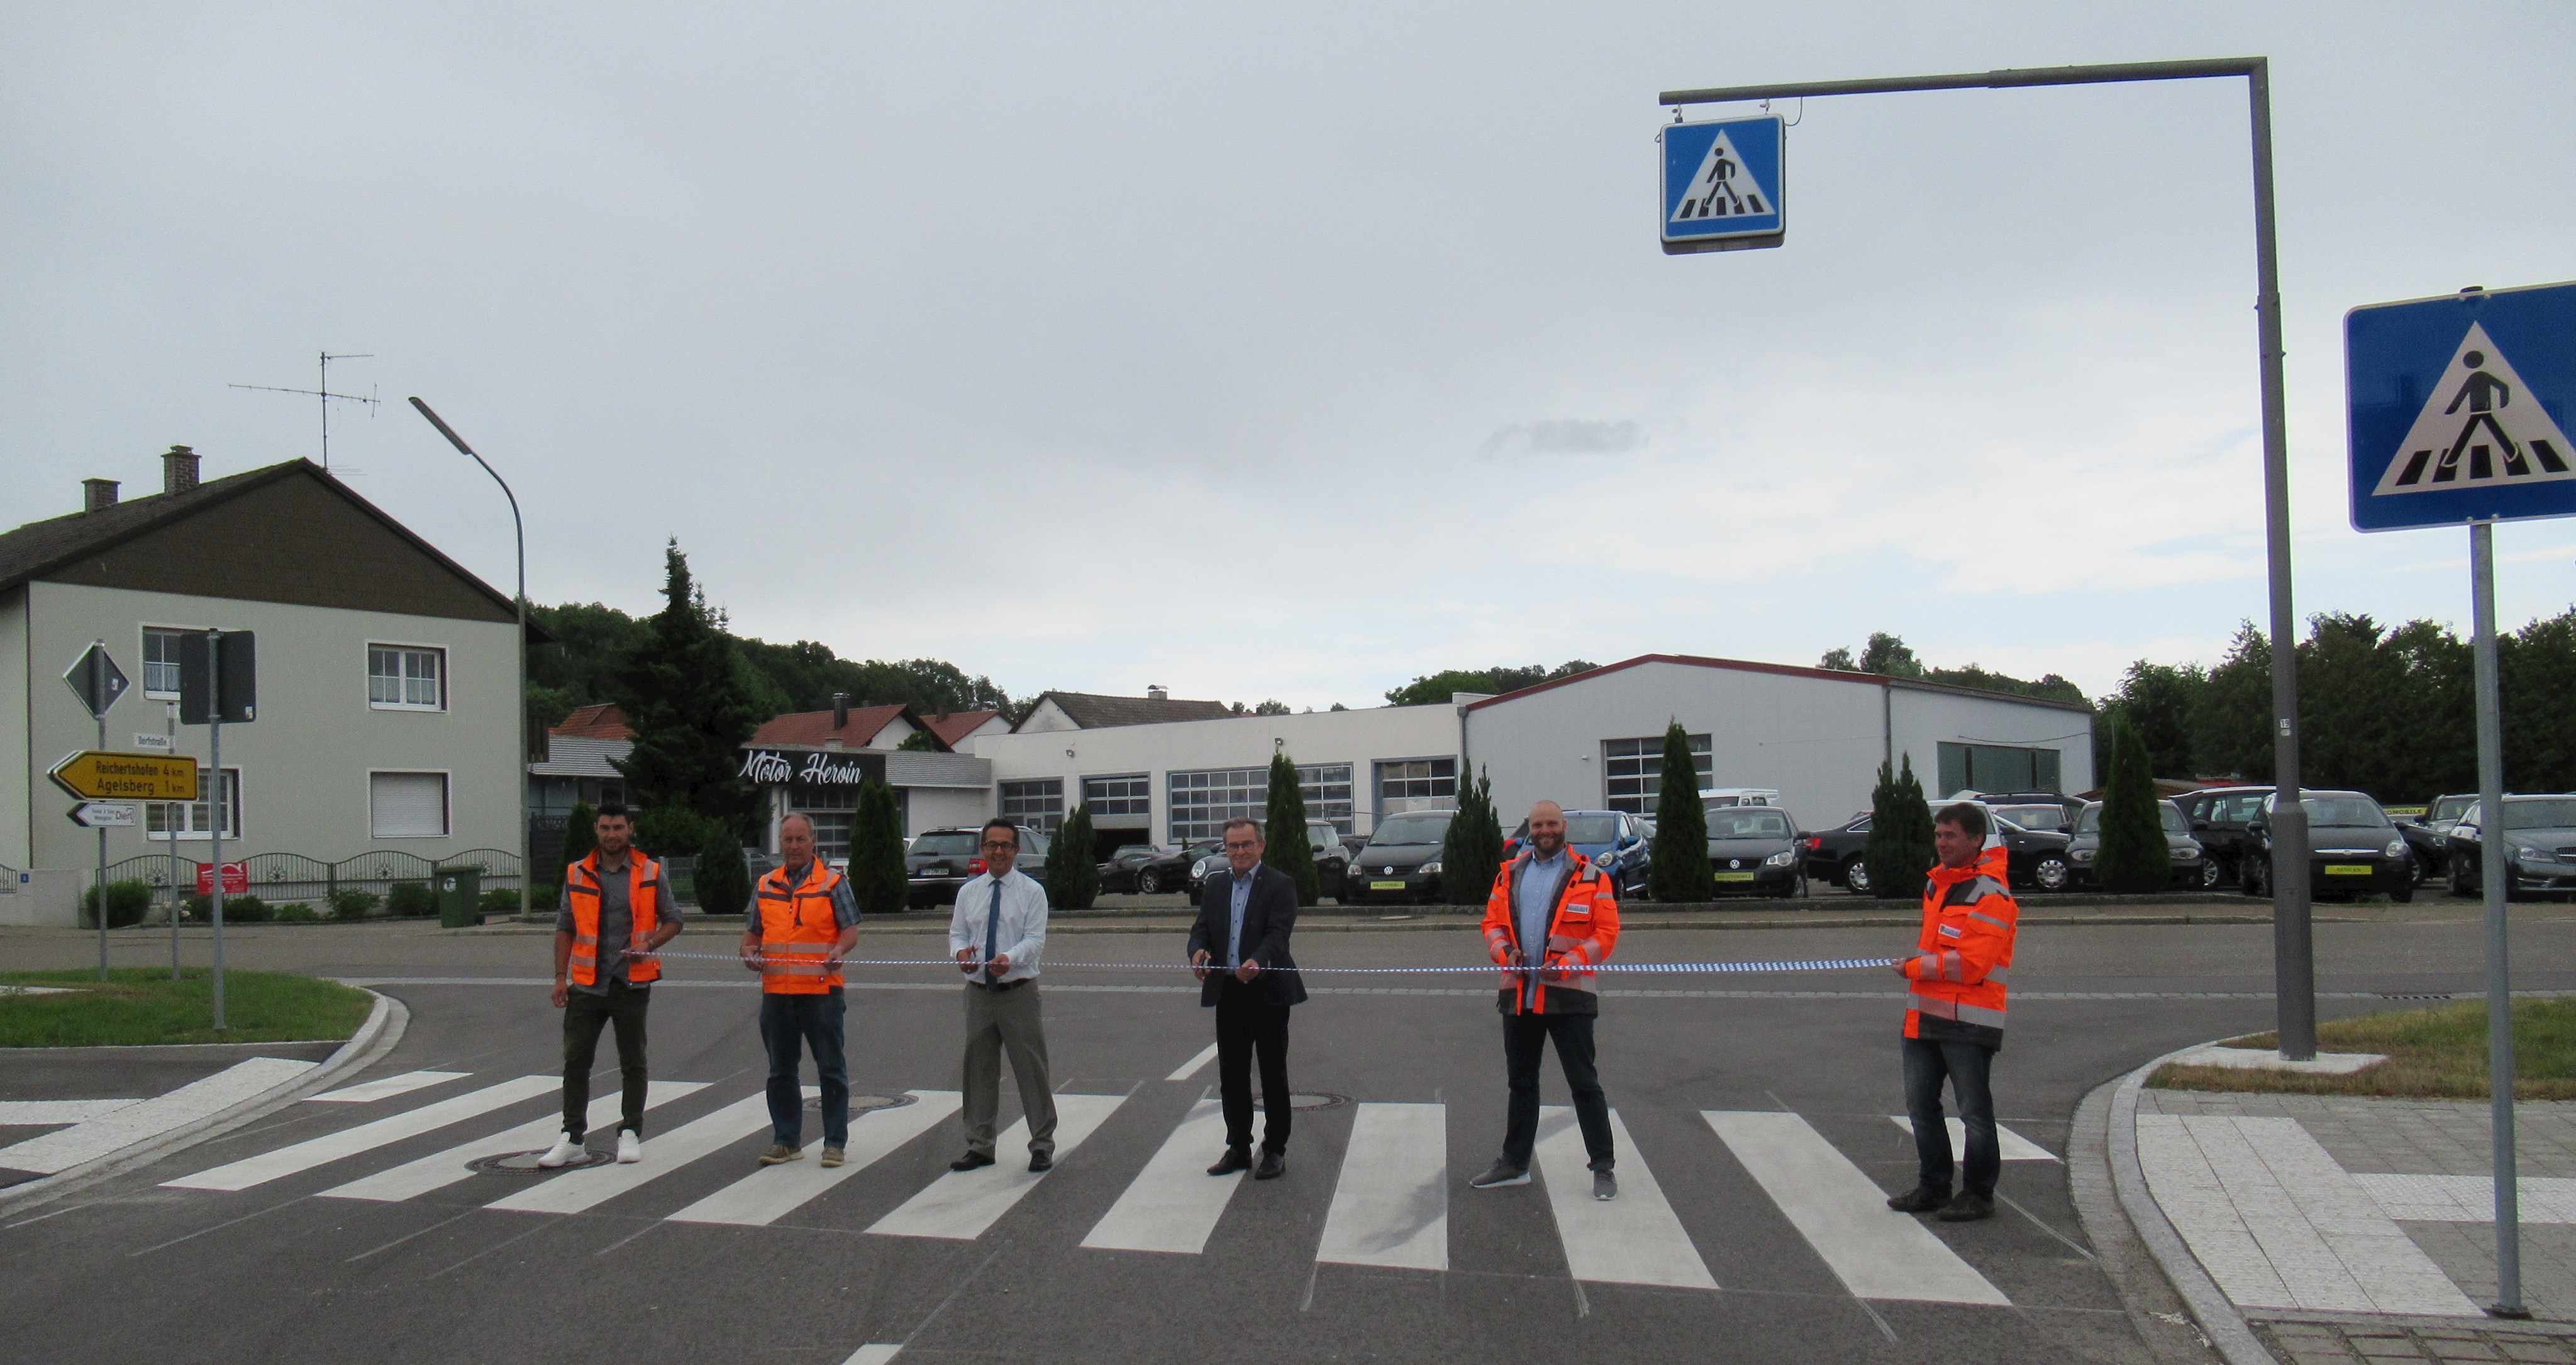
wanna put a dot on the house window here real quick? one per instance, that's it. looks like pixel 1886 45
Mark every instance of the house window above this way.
pixel 1037 803
pixel 407 805
pixel 1327 789
pixel 1417 784
pixel 406 678
pixel 1132 794
pixel 161 663
pixel 1997 768
pixel 196 819
pixel 1632 771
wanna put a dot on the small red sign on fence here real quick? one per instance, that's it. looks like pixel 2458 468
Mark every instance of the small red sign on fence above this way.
pixel 236 879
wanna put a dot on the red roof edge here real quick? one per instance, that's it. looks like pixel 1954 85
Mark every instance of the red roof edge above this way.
pixel 1782 670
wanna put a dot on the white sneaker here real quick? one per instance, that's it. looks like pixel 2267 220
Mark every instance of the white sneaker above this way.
pixel 630 1148
pixel 563 1153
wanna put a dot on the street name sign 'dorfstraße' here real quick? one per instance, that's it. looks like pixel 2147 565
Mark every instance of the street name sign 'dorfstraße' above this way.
pixel 1724 185
pixel 2460 408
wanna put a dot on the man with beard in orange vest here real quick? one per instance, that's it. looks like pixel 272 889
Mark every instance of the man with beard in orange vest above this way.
pixel 617 909
pixel 1954 1015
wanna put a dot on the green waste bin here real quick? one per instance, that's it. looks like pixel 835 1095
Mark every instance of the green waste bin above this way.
pixel 460 896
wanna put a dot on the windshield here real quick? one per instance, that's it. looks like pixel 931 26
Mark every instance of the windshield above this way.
pixel 2034 817
pixel 2349 811
pixel 1414 829
pixel 2448 808
pixel 2090 822
pixel 2554 813
pixel 946 844
pixel 1591 829
pixel 1748 822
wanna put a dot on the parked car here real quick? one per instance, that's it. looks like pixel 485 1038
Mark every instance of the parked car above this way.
pixel 2354 849
pixel 1170 871
pixel 2036 858
pixel 1119 873
pixel 2444 811
pixel 2540 846
pixel 939 861
pixel 1754 851
pixel 1600 835
pixel 2220 817
pixel 1713 798
pixel 1401 861
pixel 2022 808
pixel 1834 855
pixel 2182 852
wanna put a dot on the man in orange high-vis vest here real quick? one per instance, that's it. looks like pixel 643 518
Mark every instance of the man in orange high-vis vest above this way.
pixel 616 908
pixel 803 921
pixel 1551 919
pixel 1954 1012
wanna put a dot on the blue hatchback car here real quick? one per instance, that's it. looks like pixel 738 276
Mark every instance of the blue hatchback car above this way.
pixel 1614 839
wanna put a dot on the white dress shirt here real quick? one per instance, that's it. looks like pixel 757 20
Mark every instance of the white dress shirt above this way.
pixel 1024 922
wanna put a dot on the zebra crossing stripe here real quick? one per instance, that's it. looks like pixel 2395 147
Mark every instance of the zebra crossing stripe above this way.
pixel 1634 1239
pixel 1194 1065
pixel 773 1192
pixel 575 1191
pixel 874 1353
pixel 142 1120
pixel 387 1088
pixel 438 1170
pixel 365 1137
pixel 1173 1204
pixel 2011 1145
pixel 1843 1214
pixel 1391 1204
pixel 962 1204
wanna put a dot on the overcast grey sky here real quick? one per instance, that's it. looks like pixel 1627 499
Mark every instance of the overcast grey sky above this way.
pixel 1278 351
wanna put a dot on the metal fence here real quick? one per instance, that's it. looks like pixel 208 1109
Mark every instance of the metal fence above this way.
pixel 289 878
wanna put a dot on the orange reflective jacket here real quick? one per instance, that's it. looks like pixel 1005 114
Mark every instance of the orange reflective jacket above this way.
pixel 1581 930
pixel 581 892
pixel 797 931
pixel 1965 953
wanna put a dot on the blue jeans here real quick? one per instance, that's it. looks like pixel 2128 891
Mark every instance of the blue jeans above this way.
pixel 816 1019
pixel 1966 1065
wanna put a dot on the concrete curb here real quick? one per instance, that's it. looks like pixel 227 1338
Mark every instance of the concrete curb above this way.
pixel 2219 1321
pixel 374 1038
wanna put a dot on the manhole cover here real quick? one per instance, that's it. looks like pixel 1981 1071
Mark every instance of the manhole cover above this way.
pixel 1316 1099
pixel 860 1104
pixel 525 1163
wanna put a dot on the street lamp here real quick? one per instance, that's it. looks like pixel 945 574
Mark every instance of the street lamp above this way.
pixel 519 745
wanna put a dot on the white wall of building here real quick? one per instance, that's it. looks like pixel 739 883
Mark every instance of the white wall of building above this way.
pixel 945 808
pixel 15 749
pixel 1924 720
pixel 305 761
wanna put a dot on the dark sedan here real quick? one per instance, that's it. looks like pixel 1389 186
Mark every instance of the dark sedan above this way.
pixel 1401 862
pixel 1171 871
pixel 2539 846
pixel 2354 849
pixel 1753 851
pixel 2036 858
pixel 2184 860
pixel 1119 873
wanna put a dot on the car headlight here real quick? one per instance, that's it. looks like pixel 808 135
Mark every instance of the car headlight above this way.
pixel 2396 849
pixel 1432 867
pixel 2081 855
pixel 1782 858
pixel 2537 855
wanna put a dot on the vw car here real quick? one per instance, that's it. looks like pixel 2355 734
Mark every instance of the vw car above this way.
pixel 2182 852
pixel 1613 839
pixel 2354 849
pixel 1754 851
pixel 1400 864
pixel 939 861
pixel 2539 846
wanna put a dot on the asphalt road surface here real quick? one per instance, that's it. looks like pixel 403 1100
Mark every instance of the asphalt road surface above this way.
pixel 1754 1140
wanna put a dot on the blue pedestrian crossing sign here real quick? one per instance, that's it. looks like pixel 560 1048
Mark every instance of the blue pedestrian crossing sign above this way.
pixel 2459 408
pixel 1723 184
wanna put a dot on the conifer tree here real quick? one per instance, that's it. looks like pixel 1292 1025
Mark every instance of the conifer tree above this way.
pixel 1072 878
pixel 581 835
pixel 1899 852
pixel 1289 849
pixel 1680 871
pixel 1472 853
pixel 875 869
pixel 723 878
pixel 2132 858
pixel 687 702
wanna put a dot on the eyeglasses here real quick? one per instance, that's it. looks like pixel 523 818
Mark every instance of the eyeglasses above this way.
pixel 1232 847
pixel 997 846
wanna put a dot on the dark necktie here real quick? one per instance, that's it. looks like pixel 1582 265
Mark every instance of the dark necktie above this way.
pixel 993 934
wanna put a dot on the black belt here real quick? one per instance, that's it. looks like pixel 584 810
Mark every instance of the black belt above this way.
pixel 1000 986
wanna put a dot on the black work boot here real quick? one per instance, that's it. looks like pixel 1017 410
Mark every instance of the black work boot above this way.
pixel 1920 1199
pixel 1967 1208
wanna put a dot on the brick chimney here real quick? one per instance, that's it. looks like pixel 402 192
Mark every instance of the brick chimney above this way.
pixel 178 470
pixel 840 711
pixel 1155 692
pixel 98 495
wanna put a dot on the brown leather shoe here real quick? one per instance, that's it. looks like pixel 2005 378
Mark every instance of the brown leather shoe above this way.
pixel 831 1155
pixel 1967 1208
pixel 780 1153
pixel 1920 1199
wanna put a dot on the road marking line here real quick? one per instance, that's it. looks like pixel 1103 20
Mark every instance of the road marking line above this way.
pixel 1173 1204
pixel 143 1120
pixel 1391 1204
pixel 2012 1146
pixel 1634 1239
pixel 772 1192
pixel 874 1353
pixel 574 1191
pixel 2468 1198
pixel 364 1137
pixel 438 1170
pixel 387 1088
pixel 962 1204
pixel 1843 1214
pixel 1193 1066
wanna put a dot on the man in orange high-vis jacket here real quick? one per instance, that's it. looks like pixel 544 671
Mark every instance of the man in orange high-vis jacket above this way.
pixel 1551 918
pixel 803 921
pixel 617 907
pixel 1954 1015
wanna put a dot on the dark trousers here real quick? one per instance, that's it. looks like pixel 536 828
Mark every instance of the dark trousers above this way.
pixel 584 1015
pixel 815 1021
pixel 1248 1023
pixel 1525 1037
pixel 1967 1066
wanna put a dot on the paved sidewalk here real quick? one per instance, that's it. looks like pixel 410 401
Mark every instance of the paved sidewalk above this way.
pixel 2358 1229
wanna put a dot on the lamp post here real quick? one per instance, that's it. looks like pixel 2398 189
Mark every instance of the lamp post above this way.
pixel 519 704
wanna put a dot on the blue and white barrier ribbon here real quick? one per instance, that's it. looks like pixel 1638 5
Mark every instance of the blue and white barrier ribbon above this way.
pixel 1826 964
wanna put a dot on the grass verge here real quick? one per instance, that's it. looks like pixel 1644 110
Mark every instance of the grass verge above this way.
pixel 142 1005
pixel 2433 1054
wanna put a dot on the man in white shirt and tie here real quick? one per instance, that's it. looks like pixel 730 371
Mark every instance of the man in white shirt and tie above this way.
pixel 997 932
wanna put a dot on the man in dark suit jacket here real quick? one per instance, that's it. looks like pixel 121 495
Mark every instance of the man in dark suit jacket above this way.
pixel 1239 948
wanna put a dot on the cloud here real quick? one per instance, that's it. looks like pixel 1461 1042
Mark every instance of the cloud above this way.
pixel 1565 436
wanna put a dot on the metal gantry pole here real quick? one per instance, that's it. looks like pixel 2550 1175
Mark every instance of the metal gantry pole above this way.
pixel 216 809
pixel 170 826
pixel 98 689
pixel 2495 880
pixel 2293 960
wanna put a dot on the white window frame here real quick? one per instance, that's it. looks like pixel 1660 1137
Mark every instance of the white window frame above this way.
pixel 1650 775
pixel 447 801
pixel 1039 809
pixel 190 832
pixel 1143 795
pixel 446 679
pixel 142 650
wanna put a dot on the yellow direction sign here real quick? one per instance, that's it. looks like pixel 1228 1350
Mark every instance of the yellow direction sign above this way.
pixel 96 776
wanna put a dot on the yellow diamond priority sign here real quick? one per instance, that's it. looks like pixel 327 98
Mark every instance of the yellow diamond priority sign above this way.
pixel 96 776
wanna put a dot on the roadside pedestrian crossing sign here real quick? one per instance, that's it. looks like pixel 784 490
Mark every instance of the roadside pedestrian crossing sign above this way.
pixel 1723 183
pixel 2460 407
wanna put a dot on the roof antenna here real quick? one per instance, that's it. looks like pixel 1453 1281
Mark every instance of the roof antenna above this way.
pixel 325 395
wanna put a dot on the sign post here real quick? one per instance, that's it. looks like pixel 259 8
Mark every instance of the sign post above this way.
pixel 2457 410
pixel 98 682
pixel 217 682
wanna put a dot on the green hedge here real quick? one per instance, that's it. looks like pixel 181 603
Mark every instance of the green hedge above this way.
pixel 410 900
pixel 126 902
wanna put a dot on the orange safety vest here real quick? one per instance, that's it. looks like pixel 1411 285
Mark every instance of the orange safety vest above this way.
pixel 797 931
pixel 1965 951
pixel 581 891
pixel 1580 933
